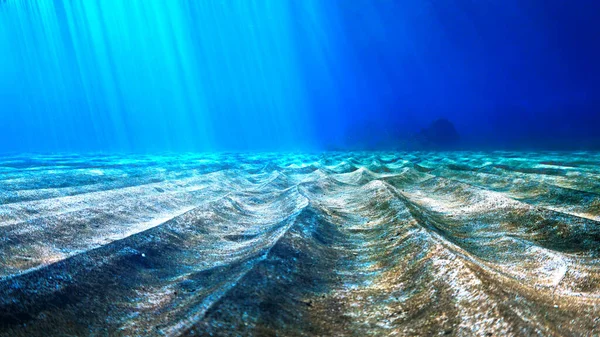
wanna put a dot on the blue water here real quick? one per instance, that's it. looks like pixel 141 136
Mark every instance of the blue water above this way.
pixel 167 167
pixel 149 76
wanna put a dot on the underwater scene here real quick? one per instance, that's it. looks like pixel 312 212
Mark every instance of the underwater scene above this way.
pixel 299 168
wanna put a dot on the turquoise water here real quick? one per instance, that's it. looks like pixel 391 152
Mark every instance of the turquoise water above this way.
pixel 157 75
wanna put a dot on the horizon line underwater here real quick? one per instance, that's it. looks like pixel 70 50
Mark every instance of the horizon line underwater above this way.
pixel 299 168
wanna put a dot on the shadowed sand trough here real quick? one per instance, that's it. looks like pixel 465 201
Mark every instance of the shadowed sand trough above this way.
pixel 345 244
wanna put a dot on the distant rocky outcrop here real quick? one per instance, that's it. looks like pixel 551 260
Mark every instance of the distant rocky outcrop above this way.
pixel 441 134
pixel 377 135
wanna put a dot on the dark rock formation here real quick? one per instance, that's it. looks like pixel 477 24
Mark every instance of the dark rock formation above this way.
pixel 441 134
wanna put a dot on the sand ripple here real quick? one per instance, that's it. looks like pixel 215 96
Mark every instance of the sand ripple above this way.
pixel 340 244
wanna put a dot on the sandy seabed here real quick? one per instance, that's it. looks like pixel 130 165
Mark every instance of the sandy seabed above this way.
pixel 332 244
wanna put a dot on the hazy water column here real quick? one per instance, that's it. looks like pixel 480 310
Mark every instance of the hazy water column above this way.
pixel 150 75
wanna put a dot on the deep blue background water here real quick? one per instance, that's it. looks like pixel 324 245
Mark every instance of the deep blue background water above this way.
pixel 125 75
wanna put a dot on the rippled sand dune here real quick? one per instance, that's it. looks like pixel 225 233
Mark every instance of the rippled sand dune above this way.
pixel 334 244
